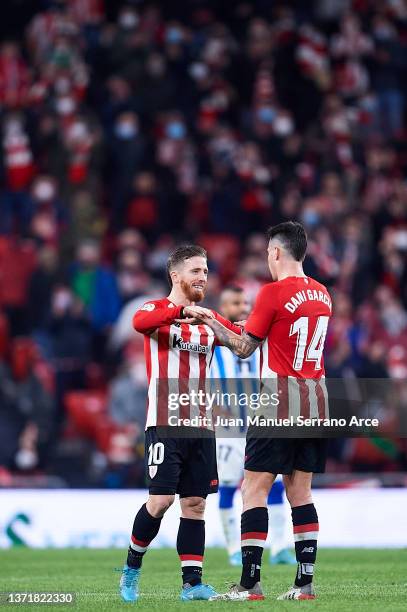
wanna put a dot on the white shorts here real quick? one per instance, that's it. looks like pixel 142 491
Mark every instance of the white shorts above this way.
pixel 230 454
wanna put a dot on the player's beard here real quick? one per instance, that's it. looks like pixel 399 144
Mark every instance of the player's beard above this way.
pixel 192 294
pixel 241 317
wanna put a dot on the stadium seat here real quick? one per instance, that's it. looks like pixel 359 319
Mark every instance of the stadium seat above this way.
pixel 364 452
pixel 23 357
pixel 104 430
pixel 4 246
pixel 110 438
pixel 86 409
pixel 87 417
pixel 46 375
pixel 4 336
pixel 95 377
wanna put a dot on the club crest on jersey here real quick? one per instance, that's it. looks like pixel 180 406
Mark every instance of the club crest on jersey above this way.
pixel 179 343
pixel 149 307
pixel 152 470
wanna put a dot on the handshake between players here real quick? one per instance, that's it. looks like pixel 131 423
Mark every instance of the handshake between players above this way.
pixel 288 323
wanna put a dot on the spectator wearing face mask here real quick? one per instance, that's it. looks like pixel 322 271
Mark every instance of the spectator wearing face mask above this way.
pixel 214 121
pixel 96 288
pixel 390 329
pixel 128 394
pixel 176 159
pixel 80 141
pixel 126 154
pixel 49 215
pixel 70 336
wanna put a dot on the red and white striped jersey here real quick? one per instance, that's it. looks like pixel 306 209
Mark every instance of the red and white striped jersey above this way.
pixel 291 317
pixel 178 358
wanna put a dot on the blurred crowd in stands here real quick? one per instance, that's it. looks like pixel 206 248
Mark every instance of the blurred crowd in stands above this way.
pixel 129 127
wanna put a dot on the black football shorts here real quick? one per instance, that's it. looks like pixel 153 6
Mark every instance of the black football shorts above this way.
pixel 183 465
pixel 284 455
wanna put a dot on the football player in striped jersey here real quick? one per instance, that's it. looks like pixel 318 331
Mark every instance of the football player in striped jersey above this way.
pixel 178 351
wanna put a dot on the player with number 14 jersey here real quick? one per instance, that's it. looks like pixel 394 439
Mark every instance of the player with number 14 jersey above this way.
pixel 291 316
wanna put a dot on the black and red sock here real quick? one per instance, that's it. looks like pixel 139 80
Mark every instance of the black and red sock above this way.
pixel 191 548
pixel 306 527
pixel 145 528
pixel 254 527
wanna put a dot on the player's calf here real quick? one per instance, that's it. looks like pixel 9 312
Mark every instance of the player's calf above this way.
pixel 145 529
pixel 306 528
pixel 254 528
pixel 190 548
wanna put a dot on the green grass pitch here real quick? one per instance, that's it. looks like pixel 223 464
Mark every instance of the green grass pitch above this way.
pixel 350 579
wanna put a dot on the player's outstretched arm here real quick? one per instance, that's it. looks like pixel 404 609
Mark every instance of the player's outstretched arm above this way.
pixel 153 315
pixel 228 334
pixel 242 345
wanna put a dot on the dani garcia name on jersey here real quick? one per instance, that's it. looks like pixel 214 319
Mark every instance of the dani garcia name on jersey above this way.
pixel 307 295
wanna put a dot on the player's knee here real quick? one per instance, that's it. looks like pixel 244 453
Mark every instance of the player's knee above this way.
pixel 298 496
pixel 254 493
pixel 157 505
pixel 193 507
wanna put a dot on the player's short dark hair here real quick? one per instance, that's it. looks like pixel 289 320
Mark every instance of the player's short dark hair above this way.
pixel 181 254
pixel 234 288
pixel 293 237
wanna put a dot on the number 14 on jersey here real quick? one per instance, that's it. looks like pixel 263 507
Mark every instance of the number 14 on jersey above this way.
pixel 305 349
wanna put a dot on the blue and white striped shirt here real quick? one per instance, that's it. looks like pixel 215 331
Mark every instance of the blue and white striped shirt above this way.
pixel 235 375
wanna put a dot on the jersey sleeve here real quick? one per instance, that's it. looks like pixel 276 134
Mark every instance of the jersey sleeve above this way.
pixel 152 315
pixel 263 313
pixel 228 324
